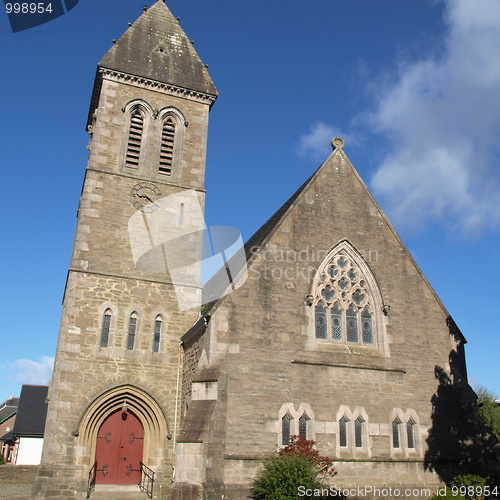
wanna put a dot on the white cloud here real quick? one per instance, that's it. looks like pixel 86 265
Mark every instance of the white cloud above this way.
pixel 443 116
pixel 317 142
pixel 34 372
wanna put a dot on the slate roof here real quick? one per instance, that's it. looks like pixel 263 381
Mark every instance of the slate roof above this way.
pixel 156 47
pixel 8 408
pixel 32 411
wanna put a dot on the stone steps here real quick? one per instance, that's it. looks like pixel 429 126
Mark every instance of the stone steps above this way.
pixel 117 492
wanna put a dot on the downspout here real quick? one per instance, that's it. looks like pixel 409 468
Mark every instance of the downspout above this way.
pixel 176 408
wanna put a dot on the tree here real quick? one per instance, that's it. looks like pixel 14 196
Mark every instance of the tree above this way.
pixel 489 410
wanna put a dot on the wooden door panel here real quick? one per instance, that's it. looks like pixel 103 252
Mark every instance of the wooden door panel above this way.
pixel 119 449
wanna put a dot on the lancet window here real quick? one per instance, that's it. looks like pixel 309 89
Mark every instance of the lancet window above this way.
pixel 344 304
pixel 157 333
pixel 132 326
pixel 134 139
pixel 106 322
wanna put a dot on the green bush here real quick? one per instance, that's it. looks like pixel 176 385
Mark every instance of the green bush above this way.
pixel 2 460
pixel 281 477
pixel 472 487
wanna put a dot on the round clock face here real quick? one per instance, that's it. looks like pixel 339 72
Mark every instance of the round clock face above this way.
pixel 144 196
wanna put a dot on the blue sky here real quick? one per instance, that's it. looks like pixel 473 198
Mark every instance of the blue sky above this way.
pixel 413 87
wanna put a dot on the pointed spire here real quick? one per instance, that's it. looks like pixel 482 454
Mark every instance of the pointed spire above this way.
pixel 156 47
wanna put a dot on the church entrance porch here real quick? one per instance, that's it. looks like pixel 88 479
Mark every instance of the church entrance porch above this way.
pixel 119 449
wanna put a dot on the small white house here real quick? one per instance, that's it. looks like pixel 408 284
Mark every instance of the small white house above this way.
pixel 29 426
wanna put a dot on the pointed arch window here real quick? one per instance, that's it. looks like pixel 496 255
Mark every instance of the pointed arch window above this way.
pixel 410 426
pixel 345 299
pixel 285 430
pixel 134 141
pixel 167 146
pixel 106 323
pixel 343 432
pixel 157 333
pixel 303 426
pixel 395 432
pixel 132 327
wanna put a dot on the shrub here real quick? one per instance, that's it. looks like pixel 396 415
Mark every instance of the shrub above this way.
pixel 296 465
pixel 281 477
pixel 2 460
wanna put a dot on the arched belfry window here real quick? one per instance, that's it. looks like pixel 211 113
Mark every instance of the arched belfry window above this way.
pixel 134 141
pixel 171 124
pixel 347 302
pixel 167 146
pixel 137 117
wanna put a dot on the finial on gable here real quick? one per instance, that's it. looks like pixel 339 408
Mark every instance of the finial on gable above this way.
pixel 337 143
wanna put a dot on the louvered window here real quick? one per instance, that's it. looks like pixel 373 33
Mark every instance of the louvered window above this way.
pixel 167 147
pixel 106 322
pixel 132 325
pixel 157 333
pixel 134 139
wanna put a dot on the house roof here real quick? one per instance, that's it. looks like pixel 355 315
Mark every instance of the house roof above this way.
pixel 8 409
pixel 155 47
pixel 32 411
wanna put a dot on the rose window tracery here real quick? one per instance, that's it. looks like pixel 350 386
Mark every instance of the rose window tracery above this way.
pixel 343 303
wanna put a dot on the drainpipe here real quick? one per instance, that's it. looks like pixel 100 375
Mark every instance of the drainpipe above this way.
pixel 176 408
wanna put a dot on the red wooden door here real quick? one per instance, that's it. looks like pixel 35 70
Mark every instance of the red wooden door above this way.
pixel 119 449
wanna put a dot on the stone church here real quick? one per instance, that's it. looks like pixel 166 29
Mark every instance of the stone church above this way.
pixel 330 329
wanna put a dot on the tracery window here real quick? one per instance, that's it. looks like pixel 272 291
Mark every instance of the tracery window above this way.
pixel 132 326
pixel 344 301
pixel 106 322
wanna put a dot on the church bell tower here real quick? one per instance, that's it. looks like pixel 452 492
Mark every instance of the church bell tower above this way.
pixel 133 287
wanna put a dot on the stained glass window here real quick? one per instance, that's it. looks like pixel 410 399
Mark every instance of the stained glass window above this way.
pixel 395 433
pixel 285 430
pixel 106 321
pixel 303 426
pixel 131 331
pixel 337 324
pixel 343 301
pixel 358 297
pixel 343 432
pixel 352 324
pixel 328 293
pixel 321 324
pixel 358 427
pixel 367 326
pixel 157 333
pixel 409 430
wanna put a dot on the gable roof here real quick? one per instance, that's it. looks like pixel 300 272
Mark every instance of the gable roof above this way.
pixel 8 409
pixel 32 411
pixel 156 47
pixel 216 285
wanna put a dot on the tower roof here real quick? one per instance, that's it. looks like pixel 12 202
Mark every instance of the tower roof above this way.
pixel 156 47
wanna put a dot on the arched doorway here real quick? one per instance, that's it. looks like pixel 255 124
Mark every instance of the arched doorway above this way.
pixel 119 449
